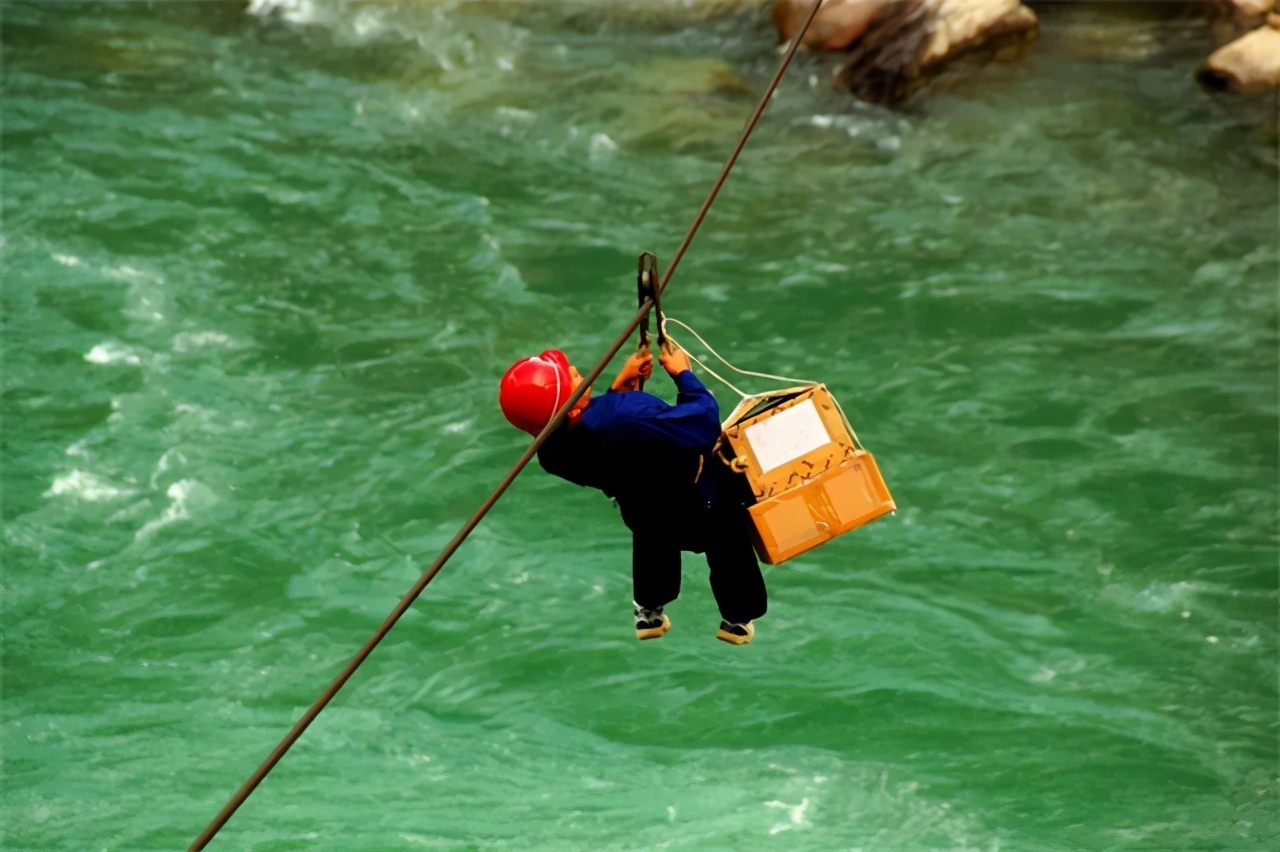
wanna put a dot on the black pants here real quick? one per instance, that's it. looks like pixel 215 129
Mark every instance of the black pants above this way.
pixel 723 535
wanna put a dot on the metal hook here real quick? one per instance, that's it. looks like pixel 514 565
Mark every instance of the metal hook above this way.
pixel 647 290
pixel 647 278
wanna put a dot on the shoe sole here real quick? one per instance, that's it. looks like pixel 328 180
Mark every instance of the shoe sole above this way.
pixel 654 632
pixel 734 638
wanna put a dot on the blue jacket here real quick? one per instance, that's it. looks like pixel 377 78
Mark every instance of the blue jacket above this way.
pixel 653 458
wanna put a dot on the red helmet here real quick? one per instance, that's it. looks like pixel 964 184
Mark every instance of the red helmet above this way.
pixel 533 390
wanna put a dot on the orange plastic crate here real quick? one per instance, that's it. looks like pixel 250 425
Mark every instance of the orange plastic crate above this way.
pixel 811 478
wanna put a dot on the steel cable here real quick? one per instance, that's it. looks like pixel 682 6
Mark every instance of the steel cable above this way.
pixel 307 718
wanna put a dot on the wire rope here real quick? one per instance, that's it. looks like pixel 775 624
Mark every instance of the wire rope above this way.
pixel 412 595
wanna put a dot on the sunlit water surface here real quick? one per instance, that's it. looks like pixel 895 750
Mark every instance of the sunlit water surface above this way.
pixel 262 271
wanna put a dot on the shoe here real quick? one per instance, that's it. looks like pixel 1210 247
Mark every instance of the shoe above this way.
pixel 736 634
pixel 650 623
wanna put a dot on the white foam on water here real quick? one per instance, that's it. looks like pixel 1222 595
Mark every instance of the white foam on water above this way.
pixel 515 113
pixel 367 24
pixel 191 340
pixel 129 274
pixel 82 485
pixel 294 11
pixel 1044 675
pixel 795 814
pixel 148 292
pixel 113 353
pixel 600 147
pixel 179 493
pixel 128 513
pixel 163 465
pixel 1165 597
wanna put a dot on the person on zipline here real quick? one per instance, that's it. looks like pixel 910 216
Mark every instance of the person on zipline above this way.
pixel 655 461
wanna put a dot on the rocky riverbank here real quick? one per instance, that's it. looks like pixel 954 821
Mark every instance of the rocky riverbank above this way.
pixel 895 46
pixel 1250 62
pixel 891 50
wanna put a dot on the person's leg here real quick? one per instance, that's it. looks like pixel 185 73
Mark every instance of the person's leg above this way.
pixel 655 578
pixel 655 570
pixel 736 580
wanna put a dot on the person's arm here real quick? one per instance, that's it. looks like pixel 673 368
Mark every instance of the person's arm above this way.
pixel 697 411
pixel 636 369
pixel 693 423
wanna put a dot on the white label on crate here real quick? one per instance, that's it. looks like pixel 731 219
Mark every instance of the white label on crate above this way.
pixel 787 436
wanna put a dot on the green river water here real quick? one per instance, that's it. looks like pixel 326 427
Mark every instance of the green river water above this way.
pixel 263 268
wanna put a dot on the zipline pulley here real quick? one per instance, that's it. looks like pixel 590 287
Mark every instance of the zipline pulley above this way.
pixel 647 290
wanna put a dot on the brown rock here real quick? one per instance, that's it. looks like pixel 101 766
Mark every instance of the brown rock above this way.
pixel 1239 17
pixel 893 44
pixel 1251 63
pixel 961 24
pixel 837 25
pixel 1251 8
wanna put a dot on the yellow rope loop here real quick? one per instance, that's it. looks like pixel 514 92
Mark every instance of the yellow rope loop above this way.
pixel 780 379
pixel 857 444
pixel 705 368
